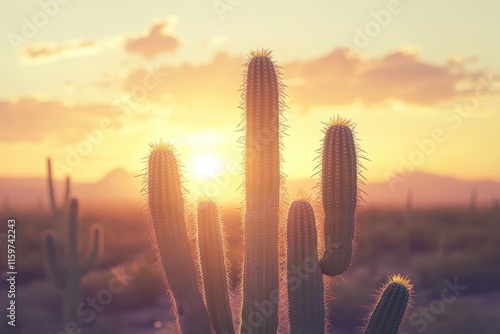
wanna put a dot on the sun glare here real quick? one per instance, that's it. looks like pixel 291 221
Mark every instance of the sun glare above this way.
pixel 205 166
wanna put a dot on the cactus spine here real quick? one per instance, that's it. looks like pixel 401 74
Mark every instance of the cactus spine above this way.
pixel 305 282
pixel 339 194
pixel 391 306
pixel 166 205
pixel 213 261
pixel 67 275
pixel 262 186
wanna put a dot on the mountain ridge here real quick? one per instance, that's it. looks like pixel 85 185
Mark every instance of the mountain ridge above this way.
pixel 121 185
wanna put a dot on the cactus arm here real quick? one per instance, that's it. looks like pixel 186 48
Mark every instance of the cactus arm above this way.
pixel 51 188
pixel 305 283
pixel 95 247
pixel 52 198
pixel 339 195
pixel 52 268
pixel 72 245
pixel 166 205
pixel 67 192
pixel 213 261
pixel 391 307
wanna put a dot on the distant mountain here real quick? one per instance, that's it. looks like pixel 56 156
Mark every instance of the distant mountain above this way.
pixel 122 186
pixel 426 190
pixel 117 186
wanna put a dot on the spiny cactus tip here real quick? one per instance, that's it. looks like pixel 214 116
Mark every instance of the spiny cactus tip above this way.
pixel 339 121
pixel 301 196
pixel 401 280
pixel 167 146
pixel 260 53
pixel 206 198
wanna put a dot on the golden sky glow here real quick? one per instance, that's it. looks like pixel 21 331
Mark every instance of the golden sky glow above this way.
pixel 95 84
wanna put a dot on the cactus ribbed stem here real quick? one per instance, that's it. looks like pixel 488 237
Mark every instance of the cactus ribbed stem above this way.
pixel 339 195
pixel 68 274
pixel 262 186
pixel 213 260
pixel 166 204
pixel 391 307
pixel 305 282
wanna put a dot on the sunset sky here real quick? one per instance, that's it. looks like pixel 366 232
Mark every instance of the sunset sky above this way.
pixel 421 79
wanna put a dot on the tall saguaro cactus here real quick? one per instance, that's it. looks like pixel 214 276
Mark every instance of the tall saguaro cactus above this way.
pixel 166 205
pixel 262 187
pixel 67 274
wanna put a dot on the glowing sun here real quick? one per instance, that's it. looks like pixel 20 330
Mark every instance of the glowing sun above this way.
pixel 205 166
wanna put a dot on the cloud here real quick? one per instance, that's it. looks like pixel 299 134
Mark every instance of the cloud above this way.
pixel 331 79
pixel 337 79
pixel 159 38
pixel 198 90
pixel 35 120
pixel 45 51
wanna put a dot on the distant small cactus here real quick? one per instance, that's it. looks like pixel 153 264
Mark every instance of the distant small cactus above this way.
pixel 59 211
pixel 67 274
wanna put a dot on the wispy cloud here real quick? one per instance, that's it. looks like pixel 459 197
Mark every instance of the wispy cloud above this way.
pixel 157 39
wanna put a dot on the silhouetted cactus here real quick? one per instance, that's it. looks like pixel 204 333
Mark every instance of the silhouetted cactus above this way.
pixel 67 274
pixel 213 260
pixel 166 206
pixel 339 182
pixel 305 282
pixel 390 307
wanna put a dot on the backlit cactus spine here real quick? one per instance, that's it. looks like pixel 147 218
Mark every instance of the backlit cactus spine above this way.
pixel 262 186
pixel 391 306
pixel 213 259
pixel 304 277
pixel 67 275
pixel 339 182
pixel 166 206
